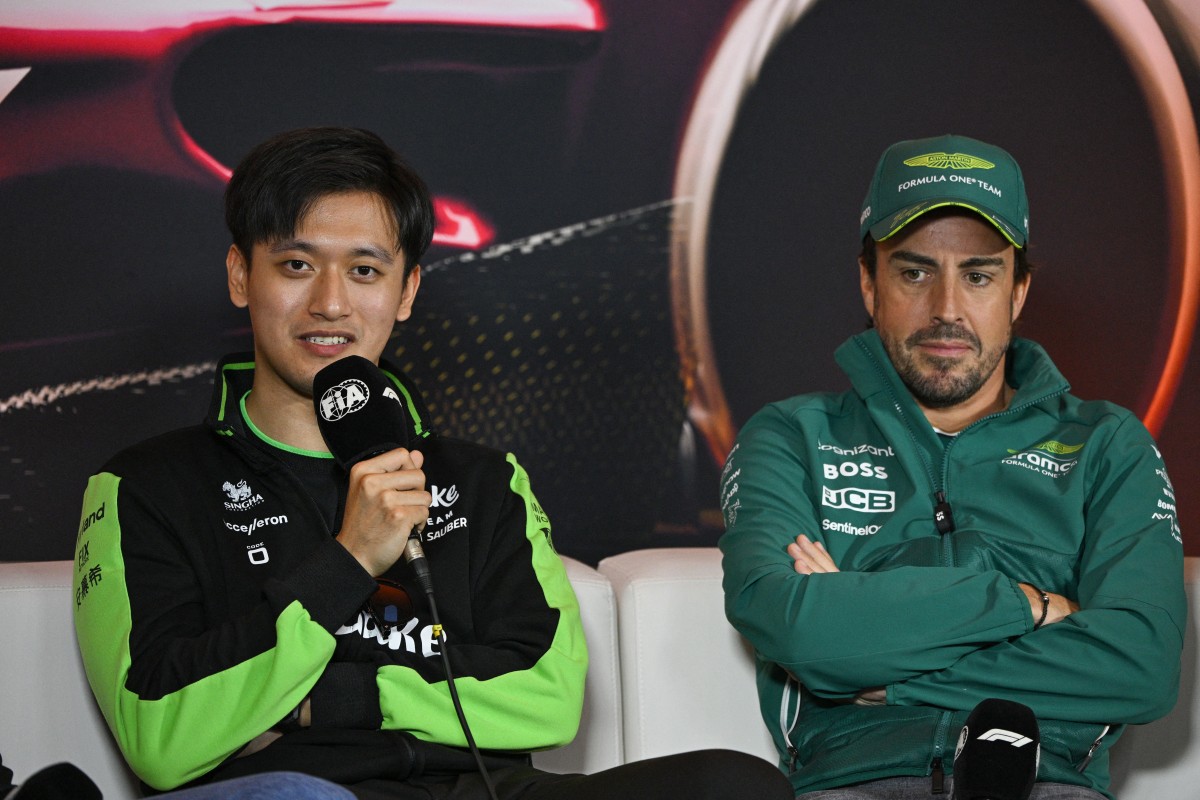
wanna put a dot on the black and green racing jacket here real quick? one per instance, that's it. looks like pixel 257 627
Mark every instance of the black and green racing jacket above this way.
pixel 211 599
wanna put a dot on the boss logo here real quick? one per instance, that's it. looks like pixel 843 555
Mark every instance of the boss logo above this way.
pixel 849 469
pixel 865 500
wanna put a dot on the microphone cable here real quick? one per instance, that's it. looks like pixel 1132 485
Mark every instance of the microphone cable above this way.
pixel 414 554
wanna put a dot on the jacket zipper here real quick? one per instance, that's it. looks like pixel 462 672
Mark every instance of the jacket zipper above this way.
pixel 1087 759
pixel 937 773
pixel 786 726
pixel 943 520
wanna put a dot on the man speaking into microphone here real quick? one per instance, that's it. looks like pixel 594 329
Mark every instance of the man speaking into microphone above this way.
pixel 252 612
pixel 956 528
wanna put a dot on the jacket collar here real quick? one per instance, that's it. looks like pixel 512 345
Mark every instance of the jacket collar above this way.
pixel 1029 370
pixel 235 377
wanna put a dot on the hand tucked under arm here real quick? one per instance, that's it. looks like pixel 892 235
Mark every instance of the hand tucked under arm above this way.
pixel 1058 609
pixel 809 557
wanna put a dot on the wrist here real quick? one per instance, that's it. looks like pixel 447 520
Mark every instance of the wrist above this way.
pixel 1040 602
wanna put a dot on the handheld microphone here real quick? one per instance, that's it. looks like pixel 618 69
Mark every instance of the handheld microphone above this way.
pixel 359 411
pixel 360 415
pixel 998 752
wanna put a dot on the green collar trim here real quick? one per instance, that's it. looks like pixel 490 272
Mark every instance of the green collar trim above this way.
pixel 280 445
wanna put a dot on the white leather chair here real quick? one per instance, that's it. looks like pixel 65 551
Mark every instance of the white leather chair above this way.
pixel 47 713
pixel 599 744
pixel 687 677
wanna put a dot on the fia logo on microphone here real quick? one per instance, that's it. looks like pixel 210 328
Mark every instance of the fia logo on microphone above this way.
pixel 347 397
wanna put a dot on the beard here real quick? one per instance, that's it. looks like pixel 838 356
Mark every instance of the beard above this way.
pixel 936 381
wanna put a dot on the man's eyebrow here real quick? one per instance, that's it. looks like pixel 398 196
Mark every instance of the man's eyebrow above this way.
pixel 982 261
pixel 370 251
pixel 909 257
pixel 284 245
pixel 974 262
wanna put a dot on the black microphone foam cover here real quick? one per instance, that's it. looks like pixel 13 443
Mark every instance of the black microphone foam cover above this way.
pixel 359 411
pixel 998 752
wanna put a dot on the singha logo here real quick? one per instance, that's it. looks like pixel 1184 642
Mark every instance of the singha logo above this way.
pixel 236 493
pixel 241 496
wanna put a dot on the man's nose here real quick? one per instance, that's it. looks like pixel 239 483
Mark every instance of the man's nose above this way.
pixel 329 297
pixel 946 301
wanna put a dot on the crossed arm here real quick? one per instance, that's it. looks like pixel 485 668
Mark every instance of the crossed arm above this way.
pixel 809 557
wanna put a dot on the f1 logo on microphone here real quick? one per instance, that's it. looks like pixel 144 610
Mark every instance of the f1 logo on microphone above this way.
pixel 1001 735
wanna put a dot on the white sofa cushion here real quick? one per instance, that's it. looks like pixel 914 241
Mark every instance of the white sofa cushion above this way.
pixel 687 677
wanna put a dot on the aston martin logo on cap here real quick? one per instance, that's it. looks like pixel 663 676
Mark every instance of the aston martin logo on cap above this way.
pixel 948 161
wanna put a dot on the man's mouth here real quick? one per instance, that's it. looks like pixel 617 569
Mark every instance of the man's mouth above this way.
pixel 327 340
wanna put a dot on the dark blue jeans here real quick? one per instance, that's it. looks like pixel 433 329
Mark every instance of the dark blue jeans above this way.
pixel 267 786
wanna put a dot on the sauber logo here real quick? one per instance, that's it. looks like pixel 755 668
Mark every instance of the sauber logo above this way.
pixel 865 500
pixel 347 397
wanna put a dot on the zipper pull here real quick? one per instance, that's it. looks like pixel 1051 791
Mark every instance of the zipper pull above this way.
pixel 1087 759
pixel 939 777
pixel 795 755
pixel 943 515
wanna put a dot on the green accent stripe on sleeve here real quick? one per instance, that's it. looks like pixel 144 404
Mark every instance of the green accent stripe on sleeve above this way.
pixel 532 709
pixel 185 734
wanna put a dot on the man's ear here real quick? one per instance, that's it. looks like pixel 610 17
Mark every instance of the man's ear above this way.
pixel 411 284
pixel 1020 290
pixel 866 285
pixel 237 270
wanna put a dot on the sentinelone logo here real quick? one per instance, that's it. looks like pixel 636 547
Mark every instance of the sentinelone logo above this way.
pixel 1050 458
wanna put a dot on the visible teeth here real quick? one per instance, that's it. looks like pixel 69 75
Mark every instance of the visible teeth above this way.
pixel 327 339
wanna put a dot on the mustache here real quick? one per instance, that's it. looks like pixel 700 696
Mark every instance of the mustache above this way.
pixel 942 332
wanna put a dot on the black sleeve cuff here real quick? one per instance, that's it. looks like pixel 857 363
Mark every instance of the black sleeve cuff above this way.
pixel 346 696
pixel 329 583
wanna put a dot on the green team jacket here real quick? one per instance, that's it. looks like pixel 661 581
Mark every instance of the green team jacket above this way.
pixel 212 599
pixel 1067 495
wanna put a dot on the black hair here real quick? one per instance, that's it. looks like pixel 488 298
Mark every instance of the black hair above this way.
pixel 278 181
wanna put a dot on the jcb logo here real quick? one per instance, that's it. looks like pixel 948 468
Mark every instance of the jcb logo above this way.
pixel 865 500
pixel 850 469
